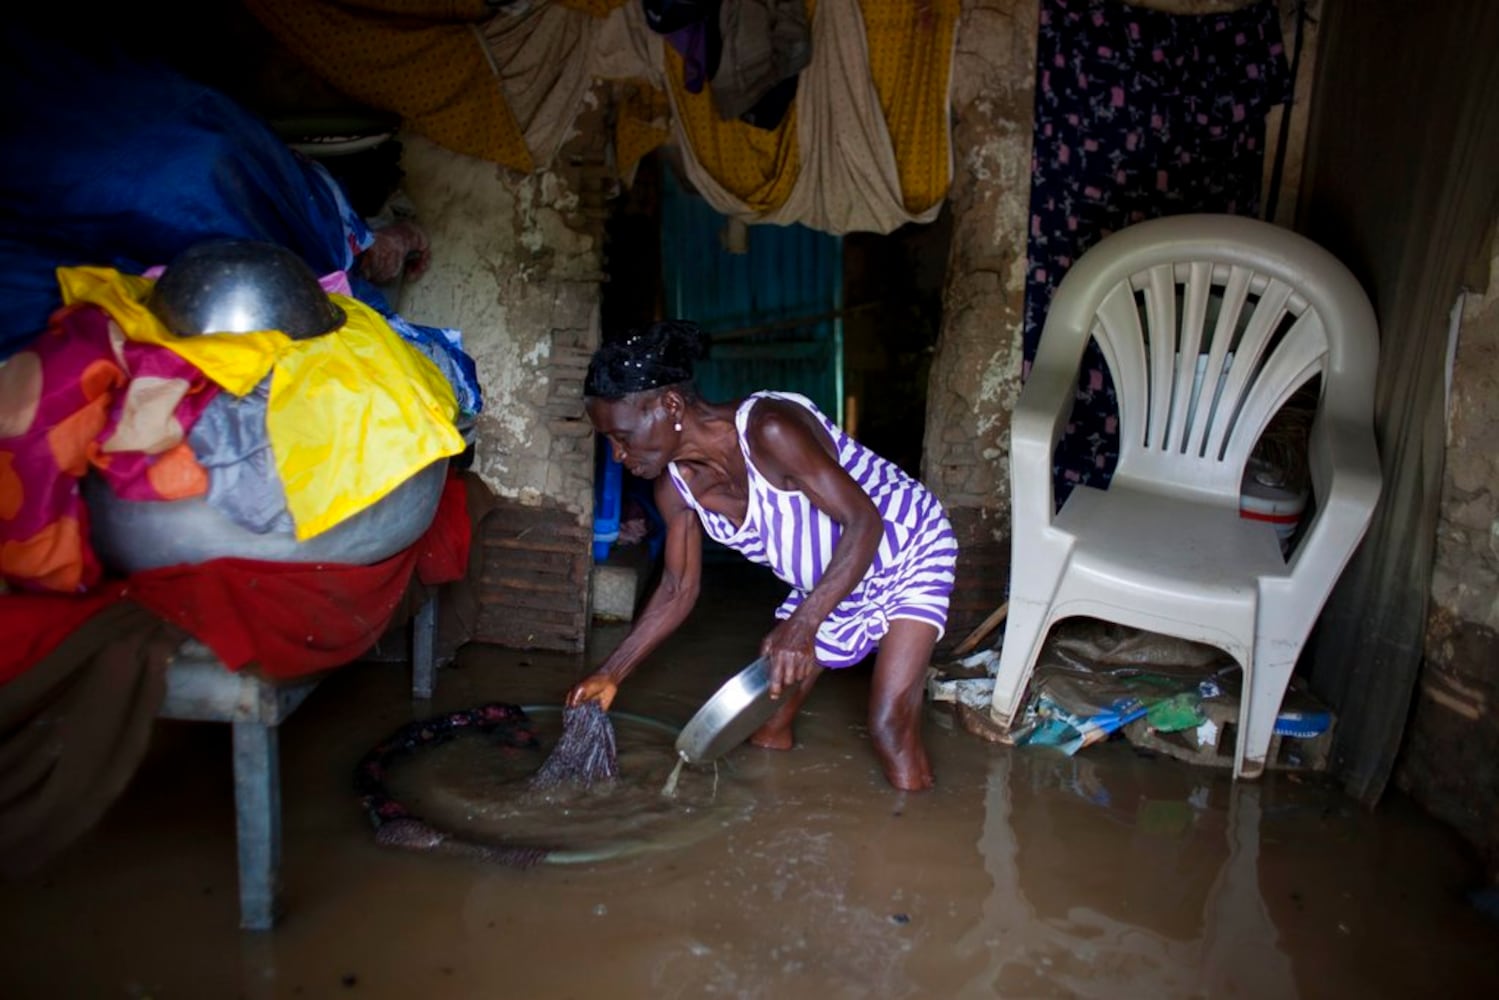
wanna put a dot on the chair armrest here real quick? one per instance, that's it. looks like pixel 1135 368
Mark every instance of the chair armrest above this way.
pixel 1036 426
pixel 1346 483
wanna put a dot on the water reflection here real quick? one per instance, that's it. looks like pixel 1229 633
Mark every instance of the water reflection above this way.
pixel 257 966
pixel 1094 887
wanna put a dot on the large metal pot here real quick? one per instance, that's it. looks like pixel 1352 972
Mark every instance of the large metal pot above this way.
pixel 742 705
pixel 131 536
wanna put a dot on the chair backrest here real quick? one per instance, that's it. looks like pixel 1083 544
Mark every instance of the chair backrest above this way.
pixel 1209 324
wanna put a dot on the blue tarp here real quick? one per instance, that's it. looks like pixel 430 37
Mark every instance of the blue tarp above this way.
pixel 108 159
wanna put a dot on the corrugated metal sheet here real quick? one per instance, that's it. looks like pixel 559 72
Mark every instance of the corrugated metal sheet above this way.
pixel 773 311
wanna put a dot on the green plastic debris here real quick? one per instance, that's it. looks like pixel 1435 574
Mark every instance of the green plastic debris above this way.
pixel 1180 711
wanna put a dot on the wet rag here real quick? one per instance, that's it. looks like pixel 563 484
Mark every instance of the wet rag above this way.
pixel 585 755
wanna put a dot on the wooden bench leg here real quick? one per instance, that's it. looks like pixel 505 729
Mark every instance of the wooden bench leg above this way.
pixel 257 806
pixel 424 650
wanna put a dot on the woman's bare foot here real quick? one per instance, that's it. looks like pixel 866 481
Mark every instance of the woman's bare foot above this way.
pixel 903 757
pixel 777 733
pixel 773 737
pixel 907 774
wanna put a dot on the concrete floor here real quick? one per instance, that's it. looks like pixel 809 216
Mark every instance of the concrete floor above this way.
pixel 1023 874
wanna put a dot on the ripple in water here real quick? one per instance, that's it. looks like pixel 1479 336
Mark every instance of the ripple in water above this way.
pixel 479 790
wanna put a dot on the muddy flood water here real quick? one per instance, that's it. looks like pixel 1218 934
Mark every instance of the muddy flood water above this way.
pixel 798 874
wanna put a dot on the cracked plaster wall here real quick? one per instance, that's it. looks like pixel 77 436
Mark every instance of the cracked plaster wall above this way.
pixel 976 372
pixel 1466 581
pixel 515 271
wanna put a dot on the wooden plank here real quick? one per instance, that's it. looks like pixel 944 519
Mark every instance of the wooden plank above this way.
pixel 530 545
pixel 529 605
pixel 984 628
pixel 566 642
pixel 532 583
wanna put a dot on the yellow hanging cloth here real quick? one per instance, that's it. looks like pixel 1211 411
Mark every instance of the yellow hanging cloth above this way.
pixel 352 414
pixel 910 62
pixel 757 166
pixel 422 60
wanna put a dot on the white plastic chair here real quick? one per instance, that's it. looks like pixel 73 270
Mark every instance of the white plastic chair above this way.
pixel 1258 311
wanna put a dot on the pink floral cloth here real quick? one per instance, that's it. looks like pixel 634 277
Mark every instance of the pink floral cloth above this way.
pixel 82 397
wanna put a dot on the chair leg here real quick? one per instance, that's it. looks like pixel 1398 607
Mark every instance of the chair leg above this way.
pixel 257 806
pixel 424 650
pixel 1025 630
pixel 1264 689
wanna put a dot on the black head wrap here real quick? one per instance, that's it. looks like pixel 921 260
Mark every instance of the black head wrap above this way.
pixel 651 357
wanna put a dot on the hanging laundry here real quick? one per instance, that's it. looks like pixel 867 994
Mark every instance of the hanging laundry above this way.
pixel 352 414
pixel 542 57
pixel 866 145
pixel 666 16
pixel 770 109
pixel 701 48
pixel 429 67
pixel 765 43
pixel 691 27
pixel 1139 114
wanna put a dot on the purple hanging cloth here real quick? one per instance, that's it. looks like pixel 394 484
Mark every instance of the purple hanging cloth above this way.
pixel 1139 114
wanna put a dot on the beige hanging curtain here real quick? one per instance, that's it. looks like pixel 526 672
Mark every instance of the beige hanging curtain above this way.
pixel 864 147
pixel 1402 182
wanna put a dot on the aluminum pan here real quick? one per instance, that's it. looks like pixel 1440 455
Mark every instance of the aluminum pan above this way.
pixel 742 705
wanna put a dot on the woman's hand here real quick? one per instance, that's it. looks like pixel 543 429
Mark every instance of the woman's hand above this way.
pixel 791 648
pixel 597 687
pixel 399 249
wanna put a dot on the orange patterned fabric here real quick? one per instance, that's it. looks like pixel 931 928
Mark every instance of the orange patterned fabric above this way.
pixel 427 65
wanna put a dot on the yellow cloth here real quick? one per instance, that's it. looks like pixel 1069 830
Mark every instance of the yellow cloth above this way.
pixel 641 123
pixel 422 59
pixel 910 61
pixel 352 414
pixel 755 166
pixel 598 8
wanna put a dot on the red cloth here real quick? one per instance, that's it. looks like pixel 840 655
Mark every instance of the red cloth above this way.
pixel 290 618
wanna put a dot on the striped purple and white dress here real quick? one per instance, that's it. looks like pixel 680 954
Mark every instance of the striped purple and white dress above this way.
pixel 912 573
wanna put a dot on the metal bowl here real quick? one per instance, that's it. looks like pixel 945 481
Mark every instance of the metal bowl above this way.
pixel 742 705
pixel 242 286
pixel 132 536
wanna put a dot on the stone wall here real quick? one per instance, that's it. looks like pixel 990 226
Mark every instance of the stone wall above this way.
pixel 1451 758
pixel 514 271
pixel 516 266
pixel 976 369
